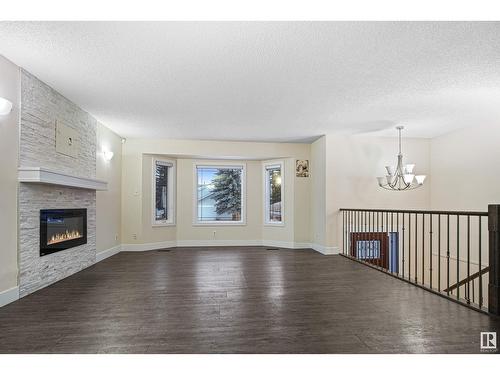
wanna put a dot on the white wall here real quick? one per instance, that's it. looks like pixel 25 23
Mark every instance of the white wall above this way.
pixel 317 198
pixel 136 197
pixel 9 140
pixel 108 204
pixel 352 165
pixel 465 169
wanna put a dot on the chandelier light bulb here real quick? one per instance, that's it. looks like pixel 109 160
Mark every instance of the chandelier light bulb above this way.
pixel 408 178
pixel 420 179
pixel 409 168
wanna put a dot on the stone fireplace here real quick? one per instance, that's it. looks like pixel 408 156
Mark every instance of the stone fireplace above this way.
pixel 57 207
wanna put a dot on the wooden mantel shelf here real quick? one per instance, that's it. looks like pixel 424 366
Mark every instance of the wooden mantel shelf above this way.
pixel 39 175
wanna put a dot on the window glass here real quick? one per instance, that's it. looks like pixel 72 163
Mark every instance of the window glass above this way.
pixel 219 194
pixel 273 194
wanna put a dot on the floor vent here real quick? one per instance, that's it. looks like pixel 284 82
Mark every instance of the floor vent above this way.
pixel 164 250
pixel 272 248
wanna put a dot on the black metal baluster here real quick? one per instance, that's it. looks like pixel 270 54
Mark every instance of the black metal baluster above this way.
pixel 480 267
pixel 390 237
pixel 473 291
pixel 355 242
pixel 359 243
pixel 409 246
pixel 403 255
pixel 467 290
pixel 351 235
pixel 363 236
pixel 380 245
pixel 458 256
pixel 416 249
pixel 348 231
pixel 370 214
pixel 448 256
pixel 343 232
pixel 423 249
pixel 383 233
pixel 397 244
pixel 439 253
pixel 386 263
pixel 430 250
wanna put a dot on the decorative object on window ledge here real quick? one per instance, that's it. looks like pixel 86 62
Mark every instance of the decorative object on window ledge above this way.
pixel 402 178
pixel 5 107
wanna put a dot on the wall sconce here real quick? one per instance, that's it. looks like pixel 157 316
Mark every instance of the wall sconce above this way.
pixel 5 107
pixel 108 155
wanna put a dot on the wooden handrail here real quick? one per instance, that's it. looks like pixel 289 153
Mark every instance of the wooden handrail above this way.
pixel 460 213
pixel 467 279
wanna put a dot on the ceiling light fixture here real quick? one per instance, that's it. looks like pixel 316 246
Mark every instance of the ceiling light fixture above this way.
pixel 403 177
pixel 5 106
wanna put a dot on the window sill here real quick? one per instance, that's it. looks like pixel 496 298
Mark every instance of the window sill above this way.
pixel 280 224
pixel 163 225
pixel 219 224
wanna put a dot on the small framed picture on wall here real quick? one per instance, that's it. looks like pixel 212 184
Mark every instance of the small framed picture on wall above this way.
pixel 302 168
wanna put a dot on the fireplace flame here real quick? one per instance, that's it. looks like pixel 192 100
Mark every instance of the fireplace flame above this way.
pixel 66 236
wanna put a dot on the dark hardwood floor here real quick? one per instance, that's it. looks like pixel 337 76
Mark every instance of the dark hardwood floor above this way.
pixel 237 300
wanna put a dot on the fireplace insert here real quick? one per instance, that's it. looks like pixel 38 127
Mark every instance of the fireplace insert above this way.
pixel 62 229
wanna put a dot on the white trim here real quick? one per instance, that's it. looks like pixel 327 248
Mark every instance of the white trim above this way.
pixel 9 295
pixel 221 165
pixel 148 246
pixel 46 176
pixel 265 167
pixel 325 250
pixel 209 243
pixel 286 244
pixel 101 255
pixel 171 192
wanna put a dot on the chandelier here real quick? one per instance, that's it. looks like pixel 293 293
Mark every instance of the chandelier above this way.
pixel 402 178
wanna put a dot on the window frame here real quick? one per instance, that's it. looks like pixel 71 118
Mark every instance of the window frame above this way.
pixel 265 167
pixel 221 165
pixel 171 193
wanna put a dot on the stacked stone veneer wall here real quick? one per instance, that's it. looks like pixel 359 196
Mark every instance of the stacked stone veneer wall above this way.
pixel 41 107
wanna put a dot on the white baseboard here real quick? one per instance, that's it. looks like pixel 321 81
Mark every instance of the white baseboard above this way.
pixel 285 244
pixel 326 250
pixel 204 243
pixel 9 295
pixel 148 246
pixel 107 253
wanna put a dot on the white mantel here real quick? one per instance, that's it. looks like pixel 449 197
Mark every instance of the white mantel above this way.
pixel 41 175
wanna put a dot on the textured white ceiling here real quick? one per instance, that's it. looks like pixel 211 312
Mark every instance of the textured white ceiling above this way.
pixel 274 81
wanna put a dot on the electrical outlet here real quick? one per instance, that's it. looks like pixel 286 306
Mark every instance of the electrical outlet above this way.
pixel 215 233
pixel 116 237
pixel 134 236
